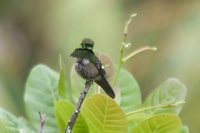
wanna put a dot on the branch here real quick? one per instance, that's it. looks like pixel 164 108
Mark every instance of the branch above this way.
pixel 72 121
pixel 137 51
pixel 42 122
pixel 123 46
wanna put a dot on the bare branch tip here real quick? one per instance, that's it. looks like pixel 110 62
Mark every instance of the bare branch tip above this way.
pixel 154 48
pixel 133 15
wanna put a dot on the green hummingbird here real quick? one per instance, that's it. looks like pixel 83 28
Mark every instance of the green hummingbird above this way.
pixel 89 67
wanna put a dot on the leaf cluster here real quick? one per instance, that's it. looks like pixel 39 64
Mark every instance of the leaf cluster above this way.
pixel 48 92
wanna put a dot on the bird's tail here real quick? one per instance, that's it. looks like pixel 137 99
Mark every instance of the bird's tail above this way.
pixel 106 86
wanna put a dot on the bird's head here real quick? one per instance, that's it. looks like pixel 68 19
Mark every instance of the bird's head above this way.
pixel 87 43
pixel 85 50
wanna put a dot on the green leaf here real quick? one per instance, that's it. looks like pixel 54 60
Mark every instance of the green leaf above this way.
pixel 103 115
pixel 171 91
pixel 135 119
pixel 184 129
pixel 63 112
pixel 62 91
pixel 162 123
pixel 24 126
pixel 130 91
pixel 3 128
pixel 62 83
pixel 11 124
pixel 41 93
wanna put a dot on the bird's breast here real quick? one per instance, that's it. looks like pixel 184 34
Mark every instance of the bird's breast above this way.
pixel 86 69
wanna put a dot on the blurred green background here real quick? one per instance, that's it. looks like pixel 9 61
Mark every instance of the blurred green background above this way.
pixel 33 32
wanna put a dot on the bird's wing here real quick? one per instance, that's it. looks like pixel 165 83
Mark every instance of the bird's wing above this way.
pixel 105 86
pixel 99 65
pixel 103 81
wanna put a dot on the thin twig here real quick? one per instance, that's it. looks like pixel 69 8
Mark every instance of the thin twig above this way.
pixel 137 51
pixel 42 122
pixel 123 46
pixel 72 121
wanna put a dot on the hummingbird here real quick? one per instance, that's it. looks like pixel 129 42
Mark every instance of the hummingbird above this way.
pixel 89 67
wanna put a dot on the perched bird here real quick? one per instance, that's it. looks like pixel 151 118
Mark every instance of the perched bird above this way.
pixel 89 67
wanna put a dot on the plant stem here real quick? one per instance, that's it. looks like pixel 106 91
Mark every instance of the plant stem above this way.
pixel 123 47
pixel 137 51
pixel 118 67
pixel 157 106
pixel 74 117
pixel 42 122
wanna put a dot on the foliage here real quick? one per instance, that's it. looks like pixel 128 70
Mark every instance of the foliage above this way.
pixel 41 95
pixel 99 113
pixel 130 94
pixel 162 123
pixel 103 115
